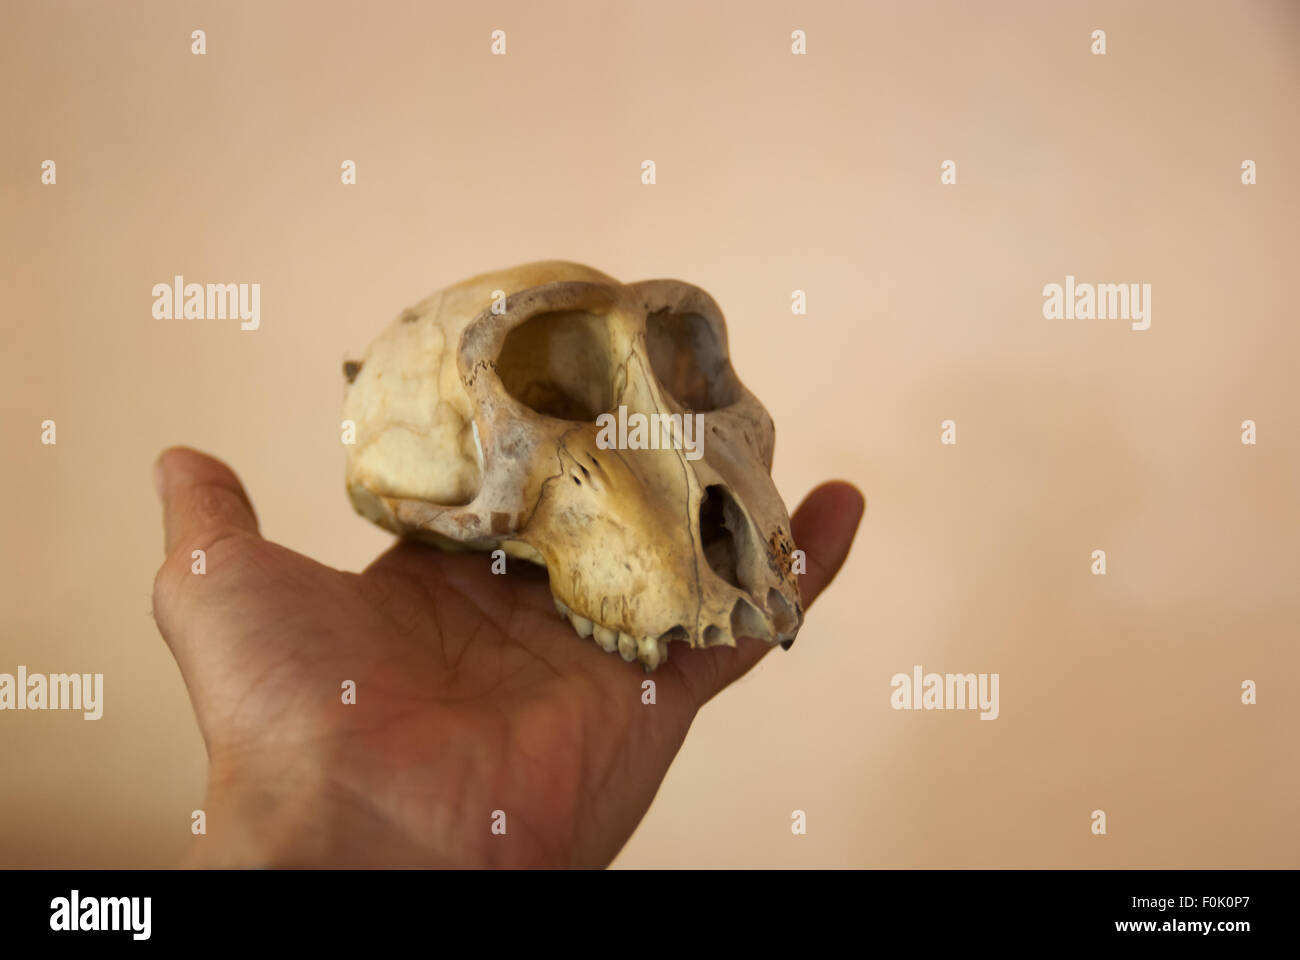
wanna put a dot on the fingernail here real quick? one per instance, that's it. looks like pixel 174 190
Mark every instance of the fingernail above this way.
pixel 158 478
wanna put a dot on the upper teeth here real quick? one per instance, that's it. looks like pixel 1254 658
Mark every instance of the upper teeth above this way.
pixel 607 638
pixel 650 651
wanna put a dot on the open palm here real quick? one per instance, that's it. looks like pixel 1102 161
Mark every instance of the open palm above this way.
pixel 476 704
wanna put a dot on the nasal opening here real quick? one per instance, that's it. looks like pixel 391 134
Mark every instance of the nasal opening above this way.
pixel 717 538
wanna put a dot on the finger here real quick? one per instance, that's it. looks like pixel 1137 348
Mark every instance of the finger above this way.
pixel 202 498
pixel 826 522
pixel 823 528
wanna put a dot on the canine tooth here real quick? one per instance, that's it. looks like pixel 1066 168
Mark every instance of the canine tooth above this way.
pixel 581 624
pixel 663 650
pixel 647 651
pixel 559 605
pixel 607 638
pixel 626 647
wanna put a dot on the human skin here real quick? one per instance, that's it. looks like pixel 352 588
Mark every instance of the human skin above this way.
pixel 472 695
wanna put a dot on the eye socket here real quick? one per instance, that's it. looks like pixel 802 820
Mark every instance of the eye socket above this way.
pixel 560 365
pixel 689 360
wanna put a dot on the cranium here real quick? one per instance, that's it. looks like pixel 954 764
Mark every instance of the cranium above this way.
pixel 478 425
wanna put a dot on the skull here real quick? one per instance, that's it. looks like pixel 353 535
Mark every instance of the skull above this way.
pixel 595 428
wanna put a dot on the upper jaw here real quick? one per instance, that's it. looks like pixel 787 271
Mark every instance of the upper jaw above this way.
pixel 651 651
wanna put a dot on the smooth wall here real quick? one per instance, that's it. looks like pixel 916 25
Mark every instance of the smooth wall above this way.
pixel 775 172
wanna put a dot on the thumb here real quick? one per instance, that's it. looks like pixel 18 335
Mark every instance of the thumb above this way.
pixel 204 504
pixel 203 501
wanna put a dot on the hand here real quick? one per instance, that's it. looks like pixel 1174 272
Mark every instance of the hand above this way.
pixel 472 695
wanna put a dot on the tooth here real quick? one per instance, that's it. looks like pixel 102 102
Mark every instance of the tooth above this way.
pixel 581 624
pixel 647 651
pixel 626 647
pixel 663 650
pixel 559 605
pixel 607 638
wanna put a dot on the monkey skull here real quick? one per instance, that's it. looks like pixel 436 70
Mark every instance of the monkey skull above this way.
pixel 595 428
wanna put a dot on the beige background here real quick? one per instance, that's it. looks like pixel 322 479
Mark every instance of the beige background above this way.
pixel 775 173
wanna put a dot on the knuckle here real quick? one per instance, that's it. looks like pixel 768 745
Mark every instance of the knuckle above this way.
pixel 167 583
pixel 220 548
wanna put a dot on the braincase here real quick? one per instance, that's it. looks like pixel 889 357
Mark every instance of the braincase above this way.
pixel 413 421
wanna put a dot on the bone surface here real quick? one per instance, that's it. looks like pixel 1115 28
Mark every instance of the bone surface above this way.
pixel 595 428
